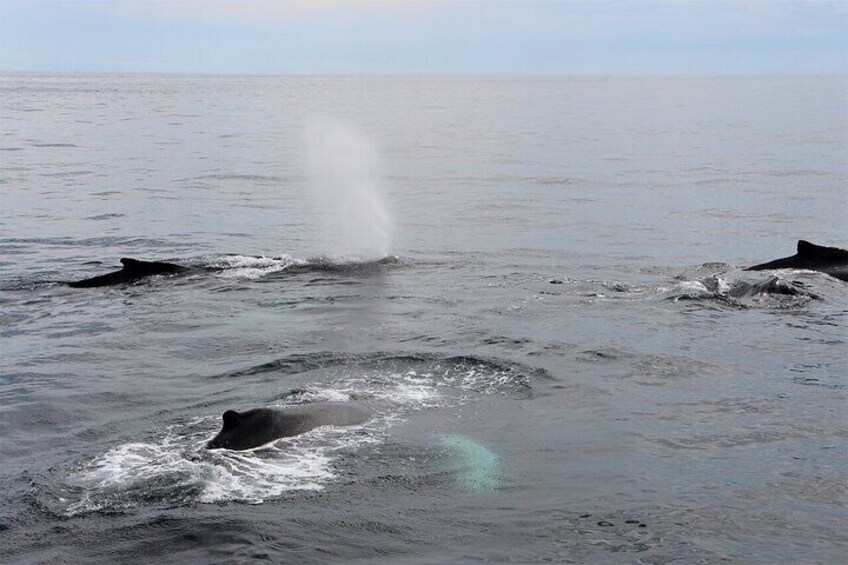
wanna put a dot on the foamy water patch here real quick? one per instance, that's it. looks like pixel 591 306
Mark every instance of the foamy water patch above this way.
pixel 388 393
pixel 426 384
pixel 252 268
pixel 178 470
pixel 685 289
pixel 269 472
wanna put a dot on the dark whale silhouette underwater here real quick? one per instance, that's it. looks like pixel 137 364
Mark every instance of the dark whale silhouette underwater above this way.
pixel 772 286
pixel 261 426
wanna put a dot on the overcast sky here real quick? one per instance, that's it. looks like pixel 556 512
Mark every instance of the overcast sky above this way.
pixel 426 36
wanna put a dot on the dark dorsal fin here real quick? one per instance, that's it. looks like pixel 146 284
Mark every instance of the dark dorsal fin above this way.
pixel 149 267
pixel 807 249
pixel 130 263
pixel 231 419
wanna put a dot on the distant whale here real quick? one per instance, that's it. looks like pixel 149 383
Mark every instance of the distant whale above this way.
pixel 132 271
pixel 830 260
pixel 261 426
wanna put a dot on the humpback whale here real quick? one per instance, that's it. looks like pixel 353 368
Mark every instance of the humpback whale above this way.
pixel 829 260
pixel 132 271
pixel 261 426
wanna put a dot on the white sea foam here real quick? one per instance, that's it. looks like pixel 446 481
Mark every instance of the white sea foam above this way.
pixel 172 471
pixel 253 476
pixel 245 267
pixel 684 289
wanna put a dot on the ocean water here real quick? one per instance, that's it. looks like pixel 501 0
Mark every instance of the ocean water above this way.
pixel 529 281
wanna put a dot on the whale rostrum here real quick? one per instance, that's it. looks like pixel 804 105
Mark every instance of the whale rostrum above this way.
pixel 261 426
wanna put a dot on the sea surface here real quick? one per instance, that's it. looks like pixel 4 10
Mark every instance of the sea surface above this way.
pixel 533 283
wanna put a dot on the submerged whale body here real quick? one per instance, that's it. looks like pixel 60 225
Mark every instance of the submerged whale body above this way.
pixel 261 426
pixel 772 286
pixel 132 271
pixel 829 260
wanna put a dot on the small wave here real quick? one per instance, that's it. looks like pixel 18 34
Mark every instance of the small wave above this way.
pixel 243 177
pixel 467 372
pixel 28 285
pixel 105 242
pixel 105 217
pixel 68 174
pixel 565 181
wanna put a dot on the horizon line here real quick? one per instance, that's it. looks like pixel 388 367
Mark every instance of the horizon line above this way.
pixel 429 74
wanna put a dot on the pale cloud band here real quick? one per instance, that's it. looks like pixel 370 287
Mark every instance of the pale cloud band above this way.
pixel 427 36
pixel 245 10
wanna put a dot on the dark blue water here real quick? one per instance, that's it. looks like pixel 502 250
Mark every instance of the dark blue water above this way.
pixel 549 340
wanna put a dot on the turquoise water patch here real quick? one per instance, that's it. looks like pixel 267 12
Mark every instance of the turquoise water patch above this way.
pixel 477 467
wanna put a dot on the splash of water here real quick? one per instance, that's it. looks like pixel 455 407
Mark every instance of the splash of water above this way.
pixel 344 177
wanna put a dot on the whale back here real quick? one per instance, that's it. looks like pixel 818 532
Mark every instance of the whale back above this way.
pixel 144 268
pixel 261 426
pixel 830 260
pixel 132 270
pixel 820 252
